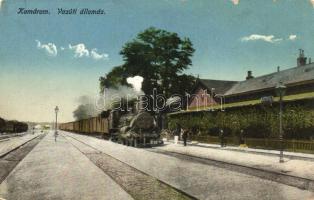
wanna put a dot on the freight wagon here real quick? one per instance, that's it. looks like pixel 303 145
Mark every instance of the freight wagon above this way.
pixel 93 126
pixel 136 127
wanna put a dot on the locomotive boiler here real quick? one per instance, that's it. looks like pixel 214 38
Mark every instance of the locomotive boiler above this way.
pixel 134 127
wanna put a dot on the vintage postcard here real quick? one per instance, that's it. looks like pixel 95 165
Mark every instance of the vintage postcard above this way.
pixel 157 100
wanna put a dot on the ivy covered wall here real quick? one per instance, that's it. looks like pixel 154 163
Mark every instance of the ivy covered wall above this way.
pixel 255 121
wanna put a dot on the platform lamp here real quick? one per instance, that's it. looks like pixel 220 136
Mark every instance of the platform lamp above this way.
pixel 280 90
pixel 222 100
pixel 56 125
pixel 212 98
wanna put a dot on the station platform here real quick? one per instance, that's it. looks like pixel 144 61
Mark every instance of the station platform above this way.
pixel 287 154
pixel 57 170
pixel 295 164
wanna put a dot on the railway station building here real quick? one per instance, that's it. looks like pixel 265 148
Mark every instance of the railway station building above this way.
pixel 298 80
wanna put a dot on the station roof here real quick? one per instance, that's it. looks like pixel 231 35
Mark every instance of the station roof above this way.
pixel 288 98
pixel 288 77
pixel 221 86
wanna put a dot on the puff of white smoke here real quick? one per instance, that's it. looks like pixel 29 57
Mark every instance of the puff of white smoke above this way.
pixel 136 82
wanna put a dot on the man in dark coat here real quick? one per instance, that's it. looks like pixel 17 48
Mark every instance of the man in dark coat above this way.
pixel 185 136
pixel 178 130
pixel 221 135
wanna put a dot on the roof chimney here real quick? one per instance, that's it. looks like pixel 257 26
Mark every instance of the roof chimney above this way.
pixel 301 61
pixel 278 68
pixel 249 75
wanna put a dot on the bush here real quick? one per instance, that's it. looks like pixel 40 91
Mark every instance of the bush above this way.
pixel 255 121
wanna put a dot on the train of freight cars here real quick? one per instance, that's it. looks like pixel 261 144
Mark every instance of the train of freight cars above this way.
pixel 12 126
pixel 135 128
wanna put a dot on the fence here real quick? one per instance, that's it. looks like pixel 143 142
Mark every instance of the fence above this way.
pixel 306 146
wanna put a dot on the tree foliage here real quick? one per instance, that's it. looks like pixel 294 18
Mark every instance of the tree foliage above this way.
pixel 160 57
pixel 117 76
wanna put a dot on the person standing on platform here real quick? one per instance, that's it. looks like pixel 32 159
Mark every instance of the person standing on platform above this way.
pixel 221 136
pixel 185 136
pixel 178 130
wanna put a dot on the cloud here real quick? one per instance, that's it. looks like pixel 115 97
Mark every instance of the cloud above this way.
pixel 79 50
pixel 265 38
pixel 49 48
pixel 292 37
pixel 97 56
pixel 1 2
pixel 235 2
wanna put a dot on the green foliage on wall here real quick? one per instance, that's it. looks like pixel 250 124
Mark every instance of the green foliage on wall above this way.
pixel 255 121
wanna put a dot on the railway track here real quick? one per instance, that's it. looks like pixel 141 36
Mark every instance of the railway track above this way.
pixel 302 183
pixel 3 140
pixel 8 136
pixel 4 153
pixel 11 158
pixel 137 183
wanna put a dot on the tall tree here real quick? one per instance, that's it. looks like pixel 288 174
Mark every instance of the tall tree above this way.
pixel 159 56
pixel 117 76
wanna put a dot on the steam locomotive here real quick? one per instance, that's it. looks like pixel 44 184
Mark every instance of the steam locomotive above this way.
pixel 134 127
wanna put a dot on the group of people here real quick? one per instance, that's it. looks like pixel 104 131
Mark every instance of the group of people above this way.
pixel 183 133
